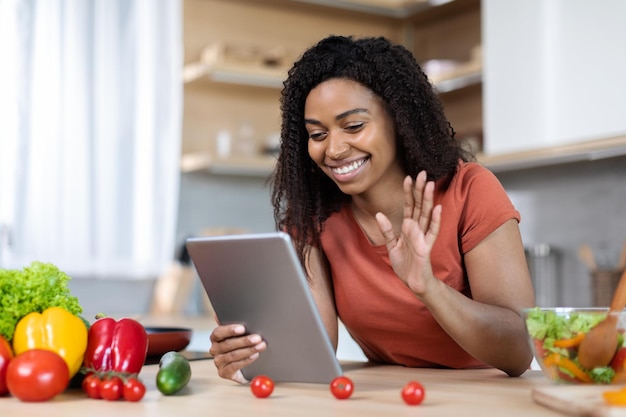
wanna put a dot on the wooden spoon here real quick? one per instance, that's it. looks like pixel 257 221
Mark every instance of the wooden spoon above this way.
pixel 599 345
pixel 585 253
pixel 621 264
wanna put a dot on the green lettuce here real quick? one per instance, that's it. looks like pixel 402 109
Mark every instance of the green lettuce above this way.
pixel 33 289
pixel 547 326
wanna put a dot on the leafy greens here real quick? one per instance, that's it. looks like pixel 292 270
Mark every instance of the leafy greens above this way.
pixel 33 289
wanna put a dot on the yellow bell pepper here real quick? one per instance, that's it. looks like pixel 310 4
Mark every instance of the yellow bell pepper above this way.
pixel 55 329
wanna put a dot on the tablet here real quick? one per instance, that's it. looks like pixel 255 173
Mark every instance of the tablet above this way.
pixel 258 281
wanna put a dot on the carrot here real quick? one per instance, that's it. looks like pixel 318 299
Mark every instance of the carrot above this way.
pixel 617 397
pixel 560 361
pixel 571 342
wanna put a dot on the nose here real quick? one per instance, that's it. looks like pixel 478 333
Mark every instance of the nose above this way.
pixel 338 147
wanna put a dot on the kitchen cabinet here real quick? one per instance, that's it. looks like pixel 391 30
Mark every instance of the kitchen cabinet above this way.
pixel 555 76
pixel 507 95
pixel 224 92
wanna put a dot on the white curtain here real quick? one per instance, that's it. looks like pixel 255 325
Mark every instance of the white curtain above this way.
pixel 90 126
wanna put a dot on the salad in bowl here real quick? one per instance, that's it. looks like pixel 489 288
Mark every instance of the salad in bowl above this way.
pixel 555 335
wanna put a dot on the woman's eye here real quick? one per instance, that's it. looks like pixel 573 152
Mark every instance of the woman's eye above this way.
pixel 354 127
pixel 317 136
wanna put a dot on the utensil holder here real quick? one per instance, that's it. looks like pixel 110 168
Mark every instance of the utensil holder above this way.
pixel 604 282
pixel 543 265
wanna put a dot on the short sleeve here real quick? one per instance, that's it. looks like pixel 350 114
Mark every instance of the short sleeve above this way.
pixel 483 202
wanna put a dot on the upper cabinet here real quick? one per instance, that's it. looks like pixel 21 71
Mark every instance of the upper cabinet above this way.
pixel 555 77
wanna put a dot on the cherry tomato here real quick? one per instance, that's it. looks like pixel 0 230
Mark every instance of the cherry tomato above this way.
pixel 618 363
pixel 341 387
pixel 413 393
pixel 91 386
pixel 134 390
pixel 37 375
pixel 262 386
pixel 6 354
pixel 111 388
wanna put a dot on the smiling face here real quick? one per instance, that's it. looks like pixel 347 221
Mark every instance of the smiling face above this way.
pixel 351 137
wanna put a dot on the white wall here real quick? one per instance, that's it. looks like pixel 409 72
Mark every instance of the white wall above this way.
pixel 554 72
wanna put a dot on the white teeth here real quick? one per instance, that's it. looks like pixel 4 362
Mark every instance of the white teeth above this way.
pixel 349 168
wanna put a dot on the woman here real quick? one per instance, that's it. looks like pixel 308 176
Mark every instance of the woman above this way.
pixel 411 244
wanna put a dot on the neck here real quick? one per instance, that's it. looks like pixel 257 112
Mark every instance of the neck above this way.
pixel 390 202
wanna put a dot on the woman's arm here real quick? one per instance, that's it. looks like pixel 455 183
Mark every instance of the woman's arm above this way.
pixel 488 325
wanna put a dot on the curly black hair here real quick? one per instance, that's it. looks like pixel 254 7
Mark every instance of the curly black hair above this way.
pixel 303 196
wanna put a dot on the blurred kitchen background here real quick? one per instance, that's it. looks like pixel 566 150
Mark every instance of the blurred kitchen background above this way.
pixel 127 126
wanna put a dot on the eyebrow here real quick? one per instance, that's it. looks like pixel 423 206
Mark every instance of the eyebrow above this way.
pixel 339 116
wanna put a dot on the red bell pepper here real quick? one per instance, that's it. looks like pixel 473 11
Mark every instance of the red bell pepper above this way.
pixel 116 346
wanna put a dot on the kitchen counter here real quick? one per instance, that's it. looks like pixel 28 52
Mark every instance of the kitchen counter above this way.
pixel 481 392
pixel 484 393
pixel 468 393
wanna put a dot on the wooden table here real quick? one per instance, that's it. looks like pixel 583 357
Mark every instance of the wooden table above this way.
pixel 465 393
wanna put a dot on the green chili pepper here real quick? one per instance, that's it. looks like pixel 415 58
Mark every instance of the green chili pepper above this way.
pixel 174 373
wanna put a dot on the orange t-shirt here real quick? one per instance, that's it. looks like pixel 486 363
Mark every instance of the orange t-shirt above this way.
pixel 383 316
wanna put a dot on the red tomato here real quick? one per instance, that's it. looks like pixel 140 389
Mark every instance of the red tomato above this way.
pixel 91 385
pixel 262 386
pixel 618 363
pixel 134 390
pixel 37 375
pixel 413 393
pixel 539 350
pixel 111 388
pixel 341 387
pixel 6 354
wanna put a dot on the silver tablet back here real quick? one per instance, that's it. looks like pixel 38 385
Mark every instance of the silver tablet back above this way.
pixel 257 280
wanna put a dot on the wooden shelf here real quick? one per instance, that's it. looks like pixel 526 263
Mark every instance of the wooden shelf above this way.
pixel 238 74
pixel 583 151
pixel 249 166
pixel 394 9
pixel 262 166
pixel 256 76
pixel 448 85
pixel 390 8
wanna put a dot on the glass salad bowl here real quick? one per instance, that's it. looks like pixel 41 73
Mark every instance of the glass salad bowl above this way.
pixel 555 335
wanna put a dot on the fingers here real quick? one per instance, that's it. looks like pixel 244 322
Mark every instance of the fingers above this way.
pixel 221 333
pixel 233 350
pixel 426 208
pixel 435 224
pixel 384 225
pixel 419 199
pixel 409 198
